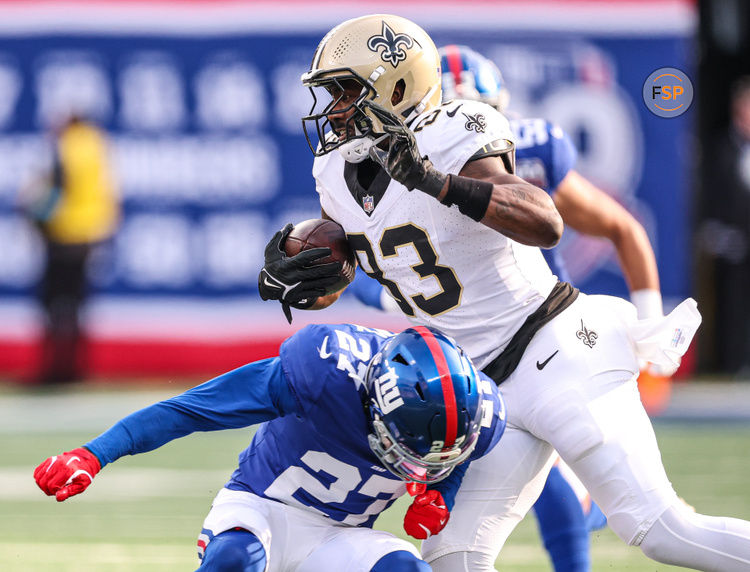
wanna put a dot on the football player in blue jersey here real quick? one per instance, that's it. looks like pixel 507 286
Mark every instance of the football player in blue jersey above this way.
pixel 545 156
pixel 351 418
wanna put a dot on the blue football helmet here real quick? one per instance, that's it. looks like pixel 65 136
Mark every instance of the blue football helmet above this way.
pixel 424 403
pixel 469 75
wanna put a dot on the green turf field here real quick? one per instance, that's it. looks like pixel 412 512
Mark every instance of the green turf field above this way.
pixel 145 512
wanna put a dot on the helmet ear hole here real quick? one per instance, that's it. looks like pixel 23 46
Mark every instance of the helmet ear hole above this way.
pixel 398 92
pixel 399 358
pixel 420 391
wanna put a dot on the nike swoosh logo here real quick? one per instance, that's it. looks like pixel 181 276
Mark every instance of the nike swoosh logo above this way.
pixel 540 366
pixel 53 461
pixel 452 113
pixel 270 284
pixel 278 285
pixel 322 350
pixel 77 474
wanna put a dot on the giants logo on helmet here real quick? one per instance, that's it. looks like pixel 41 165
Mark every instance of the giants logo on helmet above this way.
pixel 387 393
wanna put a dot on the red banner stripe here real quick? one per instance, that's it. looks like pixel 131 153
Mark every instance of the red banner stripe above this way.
pixel 451 419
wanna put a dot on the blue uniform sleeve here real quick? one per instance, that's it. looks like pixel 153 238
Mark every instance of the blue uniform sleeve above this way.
pixel 251 394
pixel 310 360
pixel 494 417
pixel 562 156
pixel 365 289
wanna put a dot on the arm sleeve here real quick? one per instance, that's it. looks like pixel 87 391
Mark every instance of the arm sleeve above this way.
pixel 367 290
pixel 248 395
pixel 563 156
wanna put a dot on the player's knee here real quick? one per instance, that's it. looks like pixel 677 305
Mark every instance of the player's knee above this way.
pixel 671 534
pixel 401 561
pixel 234 551
pixel 464 562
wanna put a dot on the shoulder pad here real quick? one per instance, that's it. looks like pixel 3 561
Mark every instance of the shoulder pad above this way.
pixel 453 132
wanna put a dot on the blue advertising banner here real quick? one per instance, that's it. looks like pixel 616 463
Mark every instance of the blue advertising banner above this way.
pixel 203 116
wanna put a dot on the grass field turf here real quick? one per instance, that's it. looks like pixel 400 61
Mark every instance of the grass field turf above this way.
pixel 145 512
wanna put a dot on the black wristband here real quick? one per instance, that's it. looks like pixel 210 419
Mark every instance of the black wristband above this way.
pixel 471 195
pixel 432 182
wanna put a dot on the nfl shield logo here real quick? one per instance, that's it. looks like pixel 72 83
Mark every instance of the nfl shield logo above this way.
pixel 368 203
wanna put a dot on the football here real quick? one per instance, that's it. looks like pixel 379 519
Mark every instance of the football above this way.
pixel 319 232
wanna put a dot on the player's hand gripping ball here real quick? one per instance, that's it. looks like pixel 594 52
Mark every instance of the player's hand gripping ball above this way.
pixel 323 233
pixel 67 474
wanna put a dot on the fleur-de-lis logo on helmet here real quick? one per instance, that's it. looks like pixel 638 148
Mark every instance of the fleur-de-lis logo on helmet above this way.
pixel 475 122
pixel 393 45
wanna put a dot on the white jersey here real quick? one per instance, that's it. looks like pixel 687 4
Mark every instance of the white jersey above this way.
pixel 444 269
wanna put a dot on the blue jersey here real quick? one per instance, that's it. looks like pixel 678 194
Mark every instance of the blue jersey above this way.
pixel 311 450
pixel 544 155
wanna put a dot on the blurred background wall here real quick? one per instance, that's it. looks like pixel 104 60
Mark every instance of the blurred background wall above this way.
pixel 202 103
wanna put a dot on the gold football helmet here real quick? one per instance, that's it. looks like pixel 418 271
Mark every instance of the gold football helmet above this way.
pixel 379 59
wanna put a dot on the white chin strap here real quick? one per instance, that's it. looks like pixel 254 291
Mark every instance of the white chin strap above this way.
pixel 357 150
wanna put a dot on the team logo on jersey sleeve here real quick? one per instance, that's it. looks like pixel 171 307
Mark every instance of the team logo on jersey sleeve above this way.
pixel 391 44
pixel 475 122
pixel 587 336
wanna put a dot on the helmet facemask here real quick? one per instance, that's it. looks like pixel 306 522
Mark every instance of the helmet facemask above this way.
pixel 407 464
pixel 333 125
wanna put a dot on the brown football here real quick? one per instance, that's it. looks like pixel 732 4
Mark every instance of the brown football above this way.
pixel 319 232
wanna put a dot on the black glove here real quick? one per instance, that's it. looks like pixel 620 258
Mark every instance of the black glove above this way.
pixel 295 281
pixel 402 160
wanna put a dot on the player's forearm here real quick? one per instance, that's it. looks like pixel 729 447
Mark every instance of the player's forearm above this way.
pixel 507 204
pixel 248 395
pixel 325 301
pixel 637 258
pixel 140 432
pixel 515 208
pixel 521 212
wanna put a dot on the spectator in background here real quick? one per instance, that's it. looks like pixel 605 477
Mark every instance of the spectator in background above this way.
pixel 75 207
pixel 725 233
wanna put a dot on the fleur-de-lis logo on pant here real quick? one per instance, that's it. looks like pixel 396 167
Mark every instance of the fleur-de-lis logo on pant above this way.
pixel 393 45
pixel 587 336
pixel 475 122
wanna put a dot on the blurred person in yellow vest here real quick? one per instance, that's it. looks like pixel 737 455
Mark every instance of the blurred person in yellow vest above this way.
pixel 76 207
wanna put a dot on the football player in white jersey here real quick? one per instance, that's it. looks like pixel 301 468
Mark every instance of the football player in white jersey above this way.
pixel 425 194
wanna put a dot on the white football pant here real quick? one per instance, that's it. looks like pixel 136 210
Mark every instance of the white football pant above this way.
pixel 299 539
pixel 584 403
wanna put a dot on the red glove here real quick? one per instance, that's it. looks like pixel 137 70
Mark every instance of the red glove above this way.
pixel 67 474
pixel 414 488
pixel 426 516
